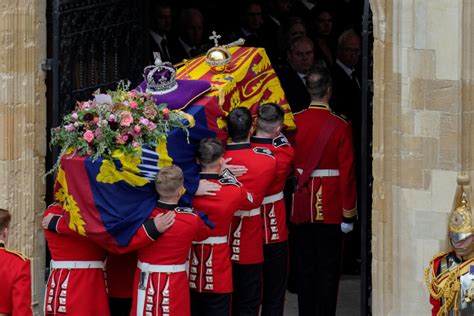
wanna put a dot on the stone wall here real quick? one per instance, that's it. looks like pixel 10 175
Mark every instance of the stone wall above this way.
pixel 23 128
pixel 422 124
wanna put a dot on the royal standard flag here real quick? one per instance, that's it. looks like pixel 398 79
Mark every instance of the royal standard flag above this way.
pixel 107 201
pixel 249 80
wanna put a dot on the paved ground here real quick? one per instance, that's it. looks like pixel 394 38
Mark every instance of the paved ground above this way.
pixel 348 303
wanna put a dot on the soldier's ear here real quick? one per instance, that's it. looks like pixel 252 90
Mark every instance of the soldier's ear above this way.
pixel 329 91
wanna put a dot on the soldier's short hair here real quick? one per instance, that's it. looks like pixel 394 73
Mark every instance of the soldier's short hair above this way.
pixel 168 180
pixel 269 116
pixel 239 123
pixel 209 151
pixel 5 219
pixel 318 80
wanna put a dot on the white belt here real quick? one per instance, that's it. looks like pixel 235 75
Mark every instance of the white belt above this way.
pixel 273 198
pixel 212 240
pixel 77 264
pixel 321 172
pixel 254 212
pixel 164 268
pixel 146 268
pixel 325 173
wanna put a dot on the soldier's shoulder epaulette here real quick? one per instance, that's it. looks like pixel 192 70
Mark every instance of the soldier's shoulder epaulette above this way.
pixel 280 140
pixel 342 117
pixel 185 210
pixel 18 254
pixel 264 151
pixel 229 179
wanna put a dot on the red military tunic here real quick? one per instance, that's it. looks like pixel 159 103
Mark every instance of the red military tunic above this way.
pixel 332 188
pixel 74 291
pixel 274 212
pixel 247 223
pixel 15 288
pixel 120 271
pixel 167 293
pixel 121 261
pixel 210 266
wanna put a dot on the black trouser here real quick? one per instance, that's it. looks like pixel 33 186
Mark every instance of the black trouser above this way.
pixel 247 279
pixel 275 272
pixel 120 306
pixel 319 261
pixel 210 304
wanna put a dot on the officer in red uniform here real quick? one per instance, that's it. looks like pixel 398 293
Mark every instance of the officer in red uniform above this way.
pixel 161 285
pixel 324 205
pixel 15 276
pixel 247 248
pixel 275 231
pixel 85 281
pixel 210 275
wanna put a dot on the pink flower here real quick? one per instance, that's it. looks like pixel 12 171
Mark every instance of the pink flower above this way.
pixel 151 126
pixel 144 121
pixel 96 119
pixel 133 104
pixel 69 127
pixel 135 144
pixel 74 116
pixel 132 94
pixel 137 129
pixel 88 136
pixel 98 133
pixel 125 138
pixel 166 111
pixel 119 140
pixel 126 118
pixel 112 118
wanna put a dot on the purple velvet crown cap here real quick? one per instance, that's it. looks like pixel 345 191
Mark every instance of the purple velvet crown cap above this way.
pixel 160 82
pixel 160 77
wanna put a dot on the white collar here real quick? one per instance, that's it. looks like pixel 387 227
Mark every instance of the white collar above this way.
pixel 186 47
pixel 275 20
pixel 157 37
pixel 346 69
pixel 302 77
pixel 245 31
pixel 307 4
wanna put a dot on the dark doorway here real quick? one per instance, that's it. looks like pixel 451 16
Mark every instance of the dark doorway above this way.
pixel 93 44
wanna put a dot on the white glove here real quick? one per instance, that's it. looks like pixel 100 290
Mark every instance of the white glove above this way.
pixel 347 227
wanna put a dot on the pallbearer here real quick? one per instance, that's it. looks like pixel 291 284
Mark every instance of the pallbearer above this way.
pixel 273 212
pixel 247 234
pixel 210 275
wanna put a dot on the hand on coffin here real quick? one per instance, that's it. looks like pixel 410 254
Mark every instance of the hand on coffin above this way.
pixel 237 170
pixel 164 221
pixel 207 188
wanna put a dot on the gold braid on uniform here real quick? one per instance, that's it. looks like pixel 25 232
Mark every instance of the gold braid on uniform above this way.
pixel 448 292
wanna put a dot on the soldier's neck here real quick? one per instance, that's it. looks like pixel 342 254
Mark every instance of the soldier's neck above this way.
pixel 263 134
pixel 216 169
pixel 321 100
pixel 169 200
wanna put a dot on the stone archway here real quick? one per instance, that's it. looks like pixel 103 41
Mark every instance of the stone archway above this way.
pixel 422 124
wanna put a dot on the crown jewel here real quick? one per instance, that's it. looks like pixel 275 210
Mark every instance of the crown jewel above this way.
pixel 161 77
